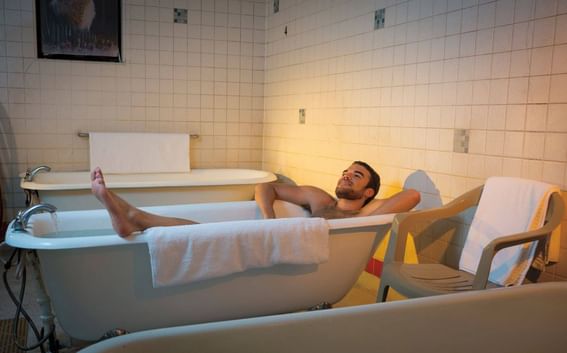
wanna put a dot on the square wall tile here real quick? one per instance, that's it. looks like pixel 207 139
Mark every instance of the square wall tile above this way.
pixel 498 91
pixel 520 63
pixel 553 173
pixel 541 61
pixel 534 145
pixel 544 31
pixel 504 12
pixel 539 89
pixel 486 15
pixel 513 144
pixel 561 29
pixel 555 147
pixel 503 38
pixel 518 90
pixel 536 116
pixel 496 117
pixel 522 35
pixel 559 64
pixel 495 143
pixel 532 169
pixel 557 118
pixel 558 89
pixel 515 117
pixel 501 65
pixel 477 141
pixel 493 166
pixel 545 8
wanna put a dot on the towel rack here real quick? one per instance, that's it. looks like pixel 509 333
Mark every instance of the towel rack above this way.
pixel 86 134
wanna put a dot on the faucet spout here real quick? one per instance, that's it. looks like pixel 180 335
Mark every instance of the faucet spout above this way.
pixel 31 172
pixel 21 221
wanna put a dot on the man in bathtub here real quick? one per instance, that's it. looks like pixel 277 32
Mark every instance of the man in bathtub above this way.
pixel 355 190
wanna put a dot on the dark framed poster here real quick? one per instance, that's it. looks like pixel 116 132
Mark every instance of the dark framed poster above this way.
pixel 79 29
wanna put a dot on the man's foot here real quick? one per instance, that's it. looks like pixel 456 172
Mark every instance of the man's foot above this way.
pixel 118 209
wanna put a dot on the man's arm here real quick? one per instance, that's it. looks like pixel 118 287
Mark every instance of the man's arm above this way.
pixel 403 201
pixel 267 193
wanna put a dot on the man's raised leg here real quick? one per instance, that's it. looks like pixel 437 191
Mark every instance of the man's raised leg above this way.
pixel 127 219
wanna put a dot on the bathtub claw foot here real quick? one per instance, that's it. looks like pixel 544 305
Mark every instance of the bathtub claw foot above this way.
pixel 321 306
pixel 113 333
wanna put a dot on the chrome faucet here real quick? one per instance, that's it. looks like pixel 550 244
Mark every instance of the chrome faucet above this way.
pixel 31 172
pixel 21 221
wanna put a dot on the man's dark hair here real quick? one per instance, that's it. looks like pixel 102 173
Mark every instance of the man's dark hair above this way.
pixel 374 182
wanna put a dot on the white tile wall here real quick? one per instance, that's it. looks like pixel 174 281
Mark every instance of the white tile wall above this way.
pixel 496 67
pixel 205 77
pixel 391 96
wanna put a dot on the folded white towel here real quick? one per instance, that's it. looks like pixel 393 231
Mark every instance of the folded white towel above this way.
pixel 507 206
pixel 139 152
pixel 184 254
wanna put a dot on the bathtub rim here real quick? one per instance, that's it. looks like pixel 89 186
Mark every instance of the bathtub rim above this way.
pixel 25 240
pixel 81 179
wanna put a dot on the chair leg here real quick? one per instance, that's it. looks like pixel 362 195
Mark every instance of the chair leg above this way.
pixel 382 292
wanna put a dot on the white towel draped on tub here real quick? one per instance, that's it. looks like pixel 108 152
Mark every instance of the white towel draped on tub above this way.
pixel 507 206
pixel 139 152
pixel 184 254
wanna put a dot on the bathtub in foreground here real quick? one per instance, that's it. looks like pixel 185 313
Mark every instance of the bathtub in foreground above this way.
pixel 70 191
pixel 522 319
pixel 98 281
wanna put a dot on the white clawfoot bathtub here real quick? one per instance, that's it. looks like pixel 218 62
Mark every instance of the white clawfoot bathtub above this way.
pixel 523 319
pixel 70 191
pixel 98 281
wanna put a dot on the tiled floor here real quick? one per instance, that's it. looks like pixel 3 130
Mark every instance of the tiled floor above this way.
pixel 362 293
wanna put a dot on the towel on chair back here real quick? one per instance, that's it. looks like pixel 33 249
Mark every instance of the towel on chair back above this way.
pixel 184 254
pixel 507 206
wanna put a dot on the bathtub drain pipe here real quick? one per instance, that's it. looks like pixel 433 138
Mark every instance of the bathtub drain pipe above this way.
pixel 22 257
pixel 46 316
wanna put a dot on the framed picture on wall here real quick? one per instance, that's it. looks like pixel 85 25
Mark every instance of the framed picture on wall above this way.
pixel 79 29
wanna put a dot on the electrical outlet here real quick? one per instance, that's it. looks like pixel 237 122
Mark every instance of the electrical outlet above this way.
pixel 461 141
pixel 379 18
pixel 302 116
pixel 276 6
pixel 180 16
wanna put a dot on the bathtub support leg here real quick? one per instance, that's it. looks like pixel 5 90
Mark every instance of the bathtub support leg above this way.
pixel 321 306
pixel 46 312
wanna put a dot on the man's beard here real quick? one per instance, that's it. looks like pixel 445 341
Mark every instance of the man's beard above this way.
pixel 348 194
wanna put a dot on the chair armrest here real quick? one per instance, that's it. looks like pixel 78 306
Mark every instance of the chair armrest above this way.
pixel 404 221
pixel 490 250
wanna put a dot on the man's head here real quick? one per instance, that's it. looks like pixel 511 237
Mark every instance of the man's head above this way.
pixel 358 181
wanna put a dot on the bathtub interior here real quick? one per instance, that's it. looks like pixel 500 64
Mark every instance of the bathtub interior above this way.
pixel 68 224
pixel 99 281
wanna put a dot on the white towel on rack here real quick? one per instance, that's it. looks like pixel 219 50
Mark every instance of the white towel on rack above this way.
pixel 139 152
pixel 507 206
pixel 184 254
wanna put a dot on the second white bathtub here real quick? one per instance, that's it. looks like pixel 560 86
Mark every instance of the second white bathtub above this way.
pixel 70 191
pixel 98 281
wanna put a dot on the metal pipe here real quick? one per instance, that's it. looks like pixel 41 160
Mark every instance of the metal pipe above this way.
pixel 46 311
pixel 86 134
